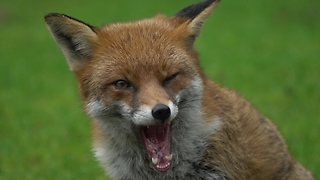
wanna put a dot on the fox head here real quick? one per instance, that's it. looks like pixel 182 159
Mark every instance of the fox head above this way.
pixel 138 80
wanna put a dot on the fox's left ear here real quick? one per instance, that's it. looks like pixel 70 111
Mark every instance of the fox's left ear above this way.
pixel 197 14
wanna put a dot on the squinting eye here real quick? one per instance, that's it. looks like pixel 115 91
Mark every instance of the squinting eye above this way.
pixel 170 78
pixel 122 85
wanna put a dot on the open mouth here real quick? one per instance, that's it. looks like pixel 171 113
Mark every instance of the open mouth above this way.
pixel 157 143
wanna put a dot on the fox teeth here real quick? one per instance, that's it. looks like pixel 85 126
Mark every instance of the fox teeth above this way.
pixel 154 160
pixel 169 157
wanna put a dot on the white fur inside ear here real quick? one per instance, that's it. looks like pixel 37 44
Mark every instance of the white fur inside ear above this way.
pixel 196 24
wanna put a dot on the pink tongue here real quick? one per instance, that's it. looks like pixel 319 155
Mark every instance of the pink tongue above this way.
pixel 156 139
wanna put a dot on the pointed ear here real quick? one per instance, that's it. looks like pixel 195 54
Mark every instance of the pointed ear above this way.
pixel 197 14
pixel 75 38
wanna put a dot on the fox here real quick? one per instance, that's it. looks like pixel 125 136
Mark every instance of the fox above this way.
pixel 156 115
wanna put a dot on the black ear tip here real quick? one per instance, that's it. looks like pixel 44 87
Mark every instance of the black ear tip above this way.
pixel 194 10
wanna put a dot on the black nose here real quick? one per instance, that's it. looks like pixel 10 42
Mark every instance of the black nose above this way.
pixel 161 112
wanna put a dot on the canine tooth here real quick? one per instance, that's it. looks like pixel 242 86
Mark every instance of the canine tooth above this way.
pixel 154 160
pixel 169 157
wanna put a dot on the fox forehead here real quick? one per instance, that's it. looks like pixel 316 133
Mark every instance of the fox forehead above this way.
pixel 142 49
pixel 144 32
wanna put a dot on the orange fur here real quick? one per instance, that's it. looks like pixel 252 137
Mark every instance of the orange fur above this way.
pixel 214 132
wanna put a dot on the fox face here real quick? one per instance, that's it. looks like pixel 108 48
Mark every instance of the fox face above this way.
pixel 137 79
pixel 141 87
pixel 124 73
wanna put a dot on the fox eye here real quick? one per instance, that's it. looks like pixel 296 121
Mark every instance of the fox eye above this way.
pixel 170 78
pixel 122 85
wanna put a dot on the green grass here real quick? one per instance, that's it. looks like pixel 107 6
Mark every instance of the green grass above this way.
pixel 269 51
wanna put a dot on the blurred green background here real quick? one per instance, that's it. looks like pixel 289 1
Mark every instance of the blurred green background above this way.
pixel 269 51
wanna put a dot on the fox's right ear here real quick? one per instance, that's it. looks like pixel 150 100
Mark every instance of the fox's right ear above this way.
pixel 76 39
pixel 197 14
